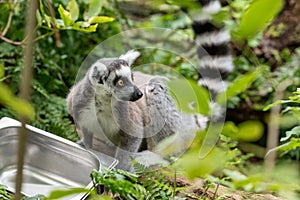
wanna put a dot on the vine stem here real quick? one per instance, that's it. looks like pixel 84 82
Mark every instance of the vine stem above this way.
pixel 25 86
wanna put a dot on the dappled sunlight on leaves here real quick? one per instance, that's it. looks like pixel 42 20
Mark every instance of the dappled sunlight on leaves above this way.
pixel 255 18
pixel 197 167
pixel 190 97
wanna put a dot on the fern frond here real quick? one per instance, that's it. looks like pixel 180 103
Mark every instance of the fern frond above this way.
pixel 139 168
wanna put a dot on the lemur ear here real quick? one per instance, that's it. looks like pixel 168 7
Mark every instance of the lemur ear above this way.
pixel 97 73
pixel 130 56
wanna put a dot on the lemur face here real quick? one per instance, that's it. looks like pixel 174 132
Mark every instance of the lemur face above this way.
pixel 116 77
pixel 120 82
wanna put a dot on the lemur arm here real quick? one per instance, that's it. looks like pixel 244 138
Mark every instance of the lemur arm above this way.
pixel 80 103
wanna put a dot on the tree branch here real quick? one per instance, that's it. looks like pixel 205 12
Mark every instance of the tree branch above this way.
pixel 8 24
pixel 10 41
pixel 11 13
pixel 25 86
pixel 56 32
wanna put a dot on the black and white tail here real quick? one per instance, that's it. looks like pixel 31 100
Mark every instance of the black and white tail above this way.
pixel 213 50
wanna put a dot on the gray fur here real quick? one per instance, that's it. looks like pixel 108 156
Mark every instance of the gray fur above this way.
pixel 130 56
pixel 113 124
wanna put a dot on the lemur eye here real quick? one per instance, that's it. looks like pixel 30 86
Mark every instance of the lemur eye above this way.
pixel 120 82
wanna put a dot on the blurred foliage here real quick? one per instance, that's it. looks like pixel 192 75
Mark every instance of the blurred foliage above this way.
pixel 290 141
pixel 187 93
pixel 146 183
pixel 21 107
pixel 4 194
pixel 239 85
pixel 255 18
pixel 68 18
pixel 59 194
pixel 242 130
pixel 57 56
pixel 68 30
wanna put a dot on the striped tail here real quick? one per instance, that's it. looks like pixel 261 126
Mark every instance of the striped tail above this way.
pixel 213 50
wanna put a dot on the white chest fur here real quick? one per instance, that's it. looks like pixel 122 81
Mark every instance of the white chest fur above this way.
pixel 89 123
pixel 105 116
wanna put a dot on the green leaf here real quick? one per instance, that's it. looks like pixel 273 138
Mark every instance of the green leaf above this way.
pixel 43 14
pixel 293 144
pixel 42 7
pixel 294 132
pixel 94 9
pixel 1 71
pixel 65 16
pixel 73 9
pixel 230 129
pixel 99 197
pixel 21 107
pixel 39 18
pixel 235 175
pixel 196 167
pixel 278 102
pixel 47 20
pixel 57 194
pixel 35 197
pixel 100 19
pixel 257 16
pixel 239 85
pixel 190 97
pixel 252 183
pixel 250 131
pixel 84 26
pixel 60 24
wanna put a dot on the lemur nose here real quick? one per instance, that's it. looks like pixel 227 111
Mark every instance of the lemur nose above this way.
pixel 137 94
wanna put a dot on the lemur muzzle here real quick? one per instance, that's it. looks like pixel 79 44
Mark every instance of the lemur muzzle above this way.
pixel 137 94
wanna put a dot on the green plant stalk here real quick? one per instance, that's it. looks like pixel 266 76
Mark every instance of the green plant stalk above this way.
pixel 175 184
pixel 273 128
pixel 25 85
pixel 204 192
pixel 216 190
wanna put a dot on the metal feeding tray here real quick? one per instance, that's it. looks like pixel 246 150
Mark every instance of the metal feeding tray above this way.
pixel 51 162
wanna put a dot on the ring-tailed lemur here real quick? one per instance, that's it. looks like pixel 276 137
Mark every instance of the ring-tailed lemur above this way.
pixel 114 116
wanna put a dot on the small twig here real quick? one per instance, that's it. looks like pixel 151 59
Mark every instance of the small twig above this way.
pixel 175 184
pixel 56 32
pixel 16 43
pixel 11 13
pixel 8 24
pixel 43 36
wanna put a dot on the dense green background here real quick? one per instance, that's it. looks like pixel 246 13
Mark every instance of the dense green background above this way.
pixel 255 44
